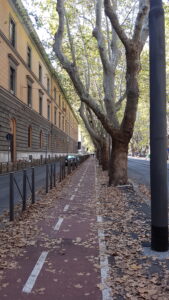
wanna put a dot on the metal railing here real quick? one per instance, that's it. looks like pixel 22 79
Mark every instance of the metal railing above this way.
pixel 51 180
pixel 6 167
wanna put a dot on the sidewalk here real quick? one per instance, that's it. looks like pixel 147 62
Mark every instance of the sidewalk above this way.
pixel 84 240
pixel 55 253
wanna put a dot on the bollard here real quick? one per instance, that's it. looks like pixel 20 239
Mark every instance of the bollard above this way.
pixel 24 191
pixel 33 185
pixel 11 199
pixel 47 176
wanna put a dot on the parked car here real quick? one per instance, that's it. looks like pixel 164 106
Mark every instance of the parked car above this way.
pixel 69 158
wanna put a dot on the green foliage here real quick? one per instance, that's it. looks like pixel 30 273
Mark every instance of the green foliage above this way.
pixel 81 18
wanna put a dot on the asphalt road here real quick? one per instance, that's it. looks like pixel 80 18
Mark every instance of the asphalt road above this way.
pixel 139 170
pixel 40 181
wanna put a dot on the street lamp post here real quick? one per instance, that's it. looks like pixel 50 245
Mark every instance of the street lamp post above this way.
pixel 158 145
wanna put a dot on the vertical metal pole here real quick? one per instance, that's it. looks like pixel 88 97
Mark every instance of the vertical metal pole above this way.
pixel 64 167
pixel 54 175
pixel 60 170
pixel 47 176
pixel 51 170
pixel 24 191
pixel 33 185
pixel 11 197
pixel 69 164
pixel 9 141
pixel 158 142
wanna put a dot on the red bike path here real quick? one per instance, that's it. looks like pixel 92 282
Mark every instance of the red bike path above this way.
pixel 66 253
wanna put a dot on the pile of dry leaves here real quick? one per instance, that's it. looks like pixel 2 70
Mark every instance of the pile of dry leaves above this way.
pixel 126 224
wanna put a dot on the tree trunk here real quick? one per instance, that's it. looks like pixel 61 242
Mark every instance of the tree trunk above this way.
pixel 104 156
pixel 118 163
pixel 98 155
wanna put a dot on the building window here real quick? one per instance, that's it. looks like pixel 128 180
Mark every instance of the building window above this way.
pixel 40 104
pixel 59 101
pixel 12 80
pixel 29 57
pixel 63 123
pixel 29 94
pixel 13 64
pixel 41 139
pixel 40 73
pixel 29 136
pixel 48 111
pixel 12 32
pixel 59 120
pixel 55 116
pixel 48 85
pixel 55 94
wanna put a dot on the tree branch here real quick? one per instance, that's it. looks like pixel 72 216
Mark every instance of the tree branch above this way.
pixel 97 33
pixel 119 102
pixel 74 75
pixel 109 11
pixel 91 131
pixel 70 40
pixel 142 13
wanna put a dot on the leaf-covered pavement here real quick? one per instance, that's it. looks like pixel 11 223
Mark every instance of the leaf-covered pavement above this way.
pixel 127 227
pixel 126 224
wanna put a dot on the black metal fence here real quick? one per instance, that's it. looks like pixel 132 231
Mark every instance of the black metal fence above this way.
pixel 6 167
pixel 25 185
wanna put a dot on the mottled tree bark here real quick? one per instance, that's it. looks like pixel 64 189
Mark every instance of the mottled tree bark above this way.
pixel 118 162
pixel 105 155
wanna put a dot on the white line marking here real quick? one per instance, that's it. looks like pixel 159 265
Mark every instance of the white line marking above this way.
pixel 78 184
pixel 72 197
pixel 35 272
pixel 66 207
pixel 76 189
pixel 99 218
pixel 58 224
pixel 104 265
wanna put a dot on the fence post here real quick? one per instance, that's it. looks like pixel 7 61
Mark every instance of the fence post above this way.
pixel 33 185
pixel 47 176
pixel 60 169
pixel 51 169
pixel 64 168
pixel 69 166
pixel 11 199
pixel 54 175
pixel 24 191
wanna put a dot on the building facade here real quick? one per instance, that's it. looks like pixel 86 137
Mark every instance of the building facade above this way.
pixel 36 118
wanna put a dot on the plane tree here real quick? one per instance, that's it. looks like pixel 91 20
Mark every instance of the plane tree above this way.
pixel 133 42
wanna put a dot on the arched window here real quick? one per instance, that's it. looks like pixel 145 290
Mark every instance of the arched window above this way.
pixel 41 139
pixel 29 137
